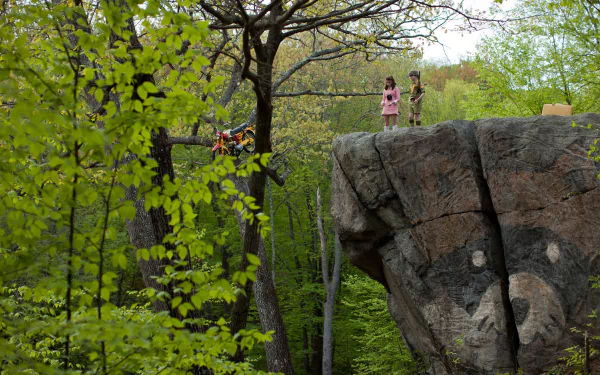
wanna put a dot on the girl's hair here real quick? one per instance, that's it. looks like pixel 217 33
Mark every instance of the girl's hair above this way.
pixel 393 82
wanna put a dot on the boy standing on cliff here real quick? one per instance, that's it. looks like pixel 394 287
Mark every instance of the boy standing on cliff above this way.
pixel 417 91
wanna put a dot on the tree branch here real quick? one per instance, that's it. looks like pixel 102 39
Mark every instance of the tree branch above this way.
pixel 324 267
pixel 192 140
pixel 234 83
pixel 300 64
pixel 457 11
pixel 263 12
pixel 246 49
pixel 273 175
pixel 323 93
pixel 220 16
pixel 290 12
pixel 331 18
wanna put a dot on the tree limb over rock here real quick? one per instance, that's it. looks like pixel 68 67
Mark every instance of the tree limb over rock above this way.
pixel 323 93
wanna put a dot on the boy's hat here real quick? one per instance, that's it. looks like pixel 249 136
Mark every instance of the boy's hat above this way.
pixel 415 73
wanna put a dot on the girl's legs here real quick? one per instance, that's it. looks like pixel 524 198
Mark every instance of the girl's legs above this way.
pixel 418 118
pixel 387 123
pixel 394 121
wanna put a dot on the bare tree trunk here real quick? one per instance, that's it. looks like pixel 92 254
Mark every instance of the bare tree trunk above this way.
pixel 316 358
pixel 141 235
pixel 273 249
pixel 148 229
pixel 278 354
pixel 317 336
pixel 264 51
pixel 305 338
pixel 267 304
pixel 331 288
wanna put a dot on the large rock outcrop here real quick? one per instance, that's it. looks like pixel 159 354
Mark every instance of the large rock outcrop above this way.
pixel 484 233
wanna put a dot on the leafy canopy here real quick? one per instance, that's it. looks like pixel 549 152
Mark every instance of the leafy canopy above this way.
pixel 76 131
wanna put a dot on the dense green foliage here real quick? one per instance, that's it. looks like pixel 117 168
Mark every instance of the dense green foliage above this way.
pixel 554 59
pixel 78 118
pixel 376 346
pixel 63 180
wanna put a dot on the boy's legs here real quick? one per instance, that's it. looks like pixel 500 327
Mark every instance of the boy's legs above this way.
pixel 418 119
pixel 411 116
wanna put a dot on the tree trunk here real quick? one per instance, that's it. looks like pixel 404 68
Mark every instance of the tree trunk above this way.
pixel 315 277
pixel 329 311
pixel 316 358
pixel 141 235
pixel 330 288
pixel 277 351
pixel 305 338
pixel 149 229
pixel 273 249
pixel 278 354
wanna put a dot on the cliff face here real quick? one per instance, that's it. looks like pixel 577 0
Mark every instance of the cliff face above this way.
pixel 484 232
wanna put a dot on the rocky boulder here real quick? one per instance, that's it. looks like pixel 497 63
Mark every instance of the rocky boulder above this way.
pixel 484 233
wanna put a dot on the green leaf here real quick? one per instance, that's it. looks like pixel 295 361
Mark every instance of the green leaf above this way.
pixel 137 106
pixel 243 278
pixel 253 259
pixel 143 254
pixel 184 308
pixel 149 87
pixel 176 301
pixel 200 62
pixel 122 260
pixel 99 95
pixel 264 159
pixel 127 211
pixel 182 252
pixel 105 294
pixel 143 94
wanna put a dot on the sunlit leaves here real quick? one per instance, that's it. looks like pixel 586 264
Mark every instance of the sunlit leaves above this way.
pixel 77 135
pixel 551 61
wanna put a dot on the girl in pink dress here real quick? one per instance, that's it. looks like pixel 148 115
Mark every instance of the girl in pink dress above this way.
pixel 391 97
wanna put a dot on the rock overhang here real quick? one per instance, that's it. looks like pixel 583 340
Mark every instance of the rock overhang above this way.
pixel 460 219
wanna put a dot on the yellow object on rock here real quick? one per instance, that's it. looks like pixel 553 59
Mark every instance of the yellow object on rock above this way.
pixel 557 109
